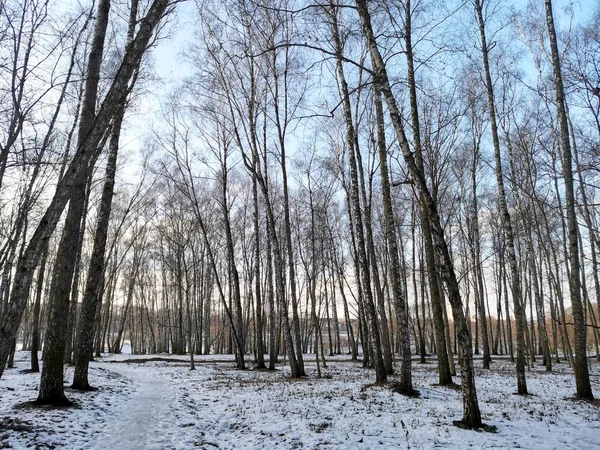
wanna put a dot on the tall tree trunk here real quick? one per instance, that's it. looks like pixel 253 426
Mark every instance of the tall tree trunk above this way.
pixel 92 295
pixel 405 385
pixel 592 232
pixel 118 342
pixel 580 367
pixel 380 371
pixel 74 296
pixel 281 124
pixel 334 304
pixel 420 329
pixel 260 343
pixel 374 269
pixel 478 270
pixel 435 295
pixel 272 307
pixel 279 266
pixel 504 213
pixel 312 279
pixel 206 316
pixel 539 307
pixel 363 334
pixel 338 274
pixel 238 318
pixel 35 337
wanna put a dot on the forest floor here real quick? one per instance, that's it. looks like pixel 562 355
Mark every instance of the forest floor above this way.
pixel 158 403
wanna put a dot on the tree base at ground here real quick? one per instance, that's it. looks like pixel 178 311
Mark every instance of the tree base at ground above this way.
pixel 407 391
pixel 82 387
pixel 481 427
pixel 56 401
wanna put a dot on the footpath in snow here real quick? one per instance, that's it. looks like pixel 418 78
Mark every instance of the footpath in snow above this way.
pixel 145 419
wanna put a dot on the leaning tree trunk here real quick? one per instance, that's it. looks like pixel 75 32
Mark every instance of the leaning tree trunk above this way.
pixel 471 414
pixel 28 261
pixel 51 389
pixel 580 367
pixel 30 195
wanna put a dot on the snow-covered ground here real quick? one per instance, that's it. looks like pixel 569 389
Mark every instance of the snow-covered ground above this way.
pixel 161 404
